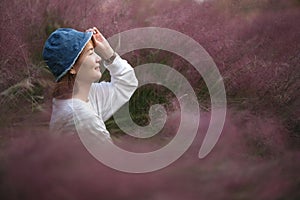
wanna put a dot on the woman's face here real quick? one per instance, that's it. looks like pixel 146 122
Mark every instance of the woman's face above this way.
pixel 88 65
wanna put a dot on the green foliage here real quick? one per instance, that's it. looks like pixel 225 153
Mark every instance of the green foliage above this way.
pixel 147 95
pixel 27 95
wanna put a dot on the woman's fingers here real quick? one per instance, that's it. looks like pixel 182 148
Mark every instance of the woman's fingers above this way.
pixel 97 36
pixel 90 30
pixel 102 46
pixel 96 30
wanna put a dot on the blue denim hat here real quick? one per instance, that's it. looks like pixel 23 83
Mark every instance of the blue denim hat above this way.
pixel 62 49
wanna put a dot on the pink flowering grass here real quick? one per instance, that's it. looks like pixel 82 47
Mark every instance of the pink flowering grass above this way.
pixel 255 45
pixel 253 162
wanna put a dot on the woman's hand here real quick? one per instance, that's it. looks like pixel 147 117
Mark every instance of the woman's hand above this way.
pixel 102 47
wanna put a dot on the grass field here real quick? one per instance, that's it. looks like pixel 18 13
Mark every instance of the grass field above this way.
pixel 256 47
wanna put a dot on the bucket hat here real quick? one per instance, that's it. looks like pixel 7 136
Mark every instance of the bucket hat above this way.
pixel 62 48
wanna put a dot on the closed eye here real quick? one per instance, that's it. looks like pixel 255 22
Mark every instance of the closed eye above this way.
pixel 91 51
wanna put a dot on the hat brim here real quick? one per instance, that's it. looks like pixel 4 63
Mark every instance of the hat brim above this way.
pixel 87 38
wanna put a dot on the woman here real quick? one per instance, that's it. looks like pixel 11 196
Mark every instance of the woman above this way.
pixel 80 103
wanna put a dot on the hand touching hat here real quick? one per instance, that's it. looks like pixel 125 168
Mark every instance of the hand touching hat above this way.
pixel 103 48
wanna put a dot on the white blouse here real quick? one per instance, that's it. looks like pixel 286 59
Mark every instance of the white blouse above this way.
pixel 105 98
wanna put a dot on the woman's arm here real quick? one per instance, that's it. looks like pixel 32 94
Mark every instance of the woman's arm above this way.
pixel 108 97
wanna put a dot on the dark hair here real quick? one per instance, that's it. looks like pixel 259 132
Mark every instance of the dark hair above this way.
pixel 63 89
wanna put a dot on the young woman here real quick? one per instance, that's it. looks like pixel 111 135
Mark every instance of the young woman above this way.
pixel 80 103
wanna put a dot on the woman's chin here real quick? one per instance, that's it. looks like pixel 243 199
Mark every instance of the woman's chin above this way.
pixel 97 78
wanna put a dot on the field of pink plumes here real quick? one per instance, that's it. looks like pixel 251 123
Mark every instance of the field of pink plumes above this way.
pixel 255 45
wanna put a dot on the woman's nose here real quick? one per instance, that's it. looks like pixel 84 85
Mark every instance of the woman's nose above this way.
pixel 98 59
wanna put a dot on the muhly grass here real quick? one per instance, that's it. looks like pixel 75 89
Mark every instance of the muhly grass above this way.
pixel 251 160
pixel 255 45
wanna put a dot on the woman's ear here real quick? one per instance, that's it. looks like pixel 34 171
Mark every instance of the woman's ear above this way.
pixel 72 71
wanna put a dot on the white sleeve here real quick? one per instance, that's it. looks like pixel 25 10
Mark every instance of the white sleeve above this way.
pixel 108 97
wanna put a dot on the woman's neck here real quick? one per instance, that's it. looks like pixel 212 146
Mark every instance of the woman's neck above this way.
pixel 82 91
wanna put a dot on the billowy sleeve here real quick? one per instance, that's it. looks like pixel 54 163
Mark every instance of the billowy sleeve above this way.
pixel 108 97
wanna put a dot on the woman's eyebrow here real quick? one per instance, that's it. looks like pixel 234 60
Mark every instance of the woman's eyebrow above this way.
pixel 90 49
